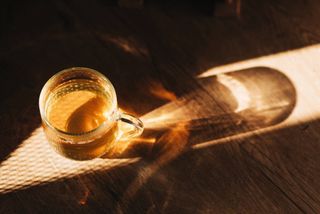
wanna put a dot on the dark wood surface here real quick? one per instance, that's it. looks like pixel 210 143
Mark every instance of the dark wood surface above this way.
pixel 204 149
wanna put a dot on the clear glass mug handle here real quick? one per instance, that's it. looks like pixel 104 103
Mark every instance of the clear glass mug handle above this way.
pixel 129 126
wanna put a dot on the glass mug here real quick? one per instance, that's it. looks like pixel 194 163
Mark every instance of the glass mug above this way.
pixel 80 114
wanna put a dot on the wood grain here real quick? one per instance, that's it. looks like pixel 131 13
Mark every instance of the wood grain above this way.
pixel 208 156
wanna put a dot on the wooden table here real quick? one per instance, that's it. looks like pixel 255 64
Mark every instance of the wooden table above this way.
pixel 230 107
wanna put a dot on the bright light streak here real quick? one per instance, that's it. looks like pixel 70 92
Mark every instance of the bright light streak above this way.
pixel 150 140
pixel 34 162
pixel 301 66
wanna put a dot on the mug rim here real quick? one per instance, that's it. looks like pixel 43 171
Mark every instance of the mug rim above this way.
pixel 44 90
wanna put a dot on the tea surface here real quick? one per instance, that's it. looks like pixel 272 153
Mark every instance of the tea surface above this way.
pixel 78 106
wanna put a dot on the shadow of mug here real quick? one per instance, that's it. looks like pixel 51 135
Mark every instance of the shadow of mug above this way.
pixel 222 105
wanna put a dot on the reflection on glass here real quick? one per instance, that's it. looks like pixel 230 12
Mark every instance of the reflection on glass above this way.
pixel 34 163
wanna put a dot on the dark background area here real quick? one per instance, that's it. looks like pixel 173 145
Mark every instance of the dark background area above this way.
pixel 167 43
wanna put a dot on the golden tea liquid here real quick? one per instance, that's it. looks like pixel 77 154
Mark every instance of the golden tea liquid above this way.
pixel 78 107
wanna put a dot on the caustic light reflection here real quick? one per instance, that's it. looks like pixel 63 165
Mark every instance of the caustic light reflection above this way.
pixel 34 162
pixel 128 45
pixel 237 89
pixel 171 144
pixel 257 97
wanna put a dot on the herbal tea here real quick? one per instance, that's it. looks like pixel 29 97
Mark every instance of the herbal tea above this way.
pixel 76 107
pixel 80 115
